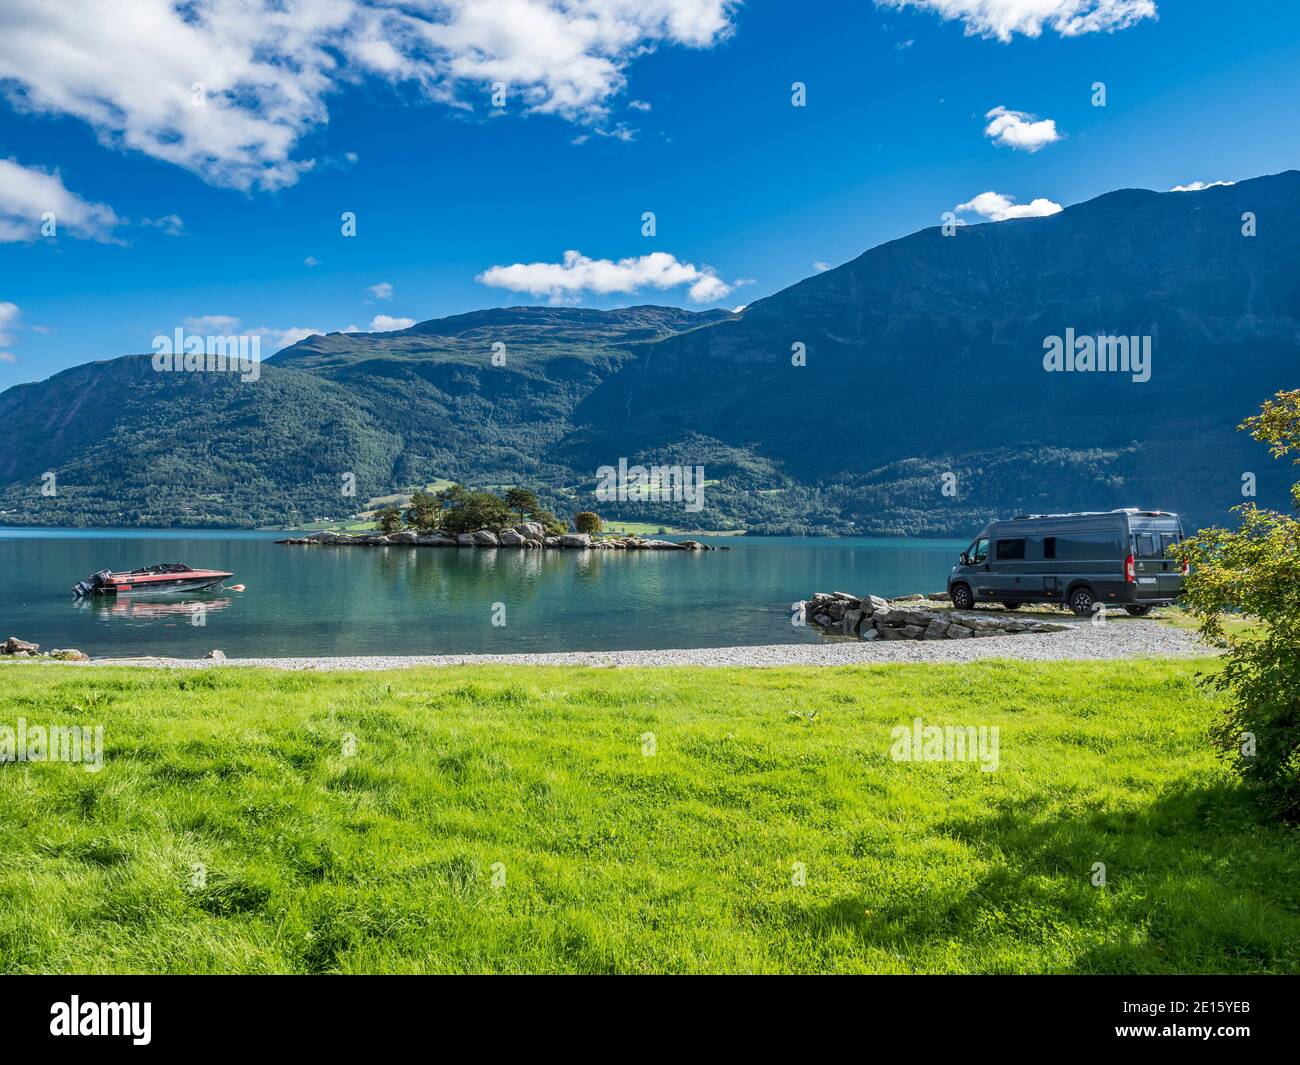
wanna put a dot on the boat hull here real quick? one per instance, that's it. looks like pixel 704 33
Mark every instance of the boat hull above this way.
pixel 190 582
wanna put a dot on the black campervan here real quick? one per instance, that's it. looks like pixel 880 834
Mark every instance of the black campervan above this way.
pixel 1123 557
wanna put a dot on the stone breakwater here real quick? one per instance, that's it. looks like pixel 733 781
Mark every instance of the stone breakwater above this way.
pixel 869 617
pixel 528 534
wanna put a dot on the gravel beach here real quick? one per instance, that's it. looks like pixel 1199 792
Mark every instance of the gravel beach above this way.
pixel 1126 638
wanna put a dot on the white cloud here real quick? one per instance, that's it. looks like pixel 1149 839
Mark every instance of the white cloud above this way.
pixel 311 260
pixel 382 291
pixel 998 208
pixel 9 315
pixel 1005 18
pixel 821 267
pixel 282 338
pixel 170 224
pixel 638 105
pixel 273 337
pixel 1197 186
pixel 577 274
pixel 27 193
pixel 215 324
pixel 129 68
pixel 385 323
pixel 1016 129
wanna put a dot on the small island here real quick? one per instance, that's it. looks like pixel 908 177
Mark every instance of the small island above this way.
pixel 458 517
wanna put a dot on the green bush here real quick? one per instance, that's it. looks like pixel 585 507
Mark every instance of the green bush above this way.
pixel 1255 571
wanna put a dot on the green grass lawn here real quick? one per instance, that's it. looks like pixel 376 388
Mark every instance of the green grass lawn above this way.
pixel 228 830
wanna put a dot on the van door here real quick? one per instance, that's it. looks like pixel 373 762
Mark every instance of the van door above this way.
pixel 979 568
pixel 1158 569
pixel 1011 582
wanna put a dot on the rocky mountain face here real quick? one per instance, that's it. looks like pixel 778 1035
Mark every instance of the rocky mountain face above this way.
pixel 903 392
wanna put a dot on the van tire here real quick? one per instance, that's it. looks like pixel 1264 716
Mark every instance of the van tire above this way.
pixel 1139 611
pixel 961 596
pixel 1081 601
pixel 1011 606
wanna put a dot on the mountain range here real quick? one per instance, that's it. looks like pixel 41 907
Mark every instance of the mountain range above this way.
pixel 902 393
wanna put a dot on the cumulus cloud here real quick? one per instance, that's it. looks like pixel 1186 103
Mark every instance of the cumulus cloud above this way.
pixel 1016 129
pixel 1005 18
pixel 1197 186
pixel 821 267
pixel 997 207
pixel 382 291
pixel 27 193
pixel 578 275
pixel 385 323
pixel 228 88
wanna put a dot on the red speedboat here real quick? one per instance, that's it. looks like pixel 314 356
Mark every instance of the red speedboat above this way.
pixel 164 577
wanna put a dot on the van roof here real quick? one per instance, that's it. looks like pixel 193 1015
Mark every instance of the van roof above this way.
pixel 1132 511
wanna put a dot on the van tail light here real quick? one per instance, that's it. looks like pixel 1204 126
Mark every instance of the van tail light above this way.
pixel 1130 573
pixel 1187 567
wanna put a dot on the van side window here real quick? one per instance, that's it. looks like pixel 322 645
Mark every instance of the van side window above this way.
pixel 1049 546
pixel 979 552
pixel 1010 550
pixel 1090 547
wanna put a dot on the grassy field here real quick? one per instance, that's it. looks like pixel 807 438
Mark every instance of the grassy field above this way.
pixel 620 820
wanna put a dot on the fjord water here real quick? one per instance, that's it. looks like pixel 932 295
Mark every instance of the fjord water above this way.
pixel 323 601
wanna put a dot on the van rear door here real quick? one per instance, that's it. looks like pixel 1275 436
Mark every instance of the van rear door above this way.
pixel 1159 570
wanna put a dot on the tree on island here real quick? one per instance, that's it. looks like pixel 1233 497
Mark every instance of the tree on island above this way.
pixel 551 525
pixel 521 500
pixel 1254 571
pixel 388 520
pixel 587 521
pixel 425 512
pixel 477 510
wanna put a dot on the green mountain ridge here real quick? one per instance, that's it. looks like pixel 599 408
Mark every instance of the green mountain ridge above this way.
pixel 923 370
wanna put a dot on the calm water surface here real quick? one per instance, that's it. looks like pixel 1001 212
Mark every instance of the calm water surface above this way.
pixel 401 600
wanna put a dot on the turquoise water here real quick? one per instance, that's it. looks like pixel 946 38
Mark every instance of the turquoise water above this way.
pixel 400 600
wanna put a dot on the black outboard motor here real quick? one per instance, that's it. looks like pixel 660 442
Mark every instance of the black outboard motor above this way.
pixel 92 584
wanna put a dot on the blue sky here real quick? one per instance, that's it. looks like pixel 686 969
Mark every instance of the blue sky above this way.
pixel 171 214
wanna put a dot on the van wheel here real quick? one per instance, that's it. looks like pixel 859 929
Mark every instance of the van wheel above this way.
pixel 1011 606
pixel 1139 611
pixel 1081 602
pixel 962 597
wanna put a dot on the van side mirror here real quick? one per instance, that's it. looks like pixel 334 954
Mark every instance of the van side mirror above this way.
pixel 964 559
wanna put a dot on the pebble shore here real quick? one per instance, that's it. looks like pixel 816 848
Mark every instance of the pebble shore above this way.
pixel 1081 641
